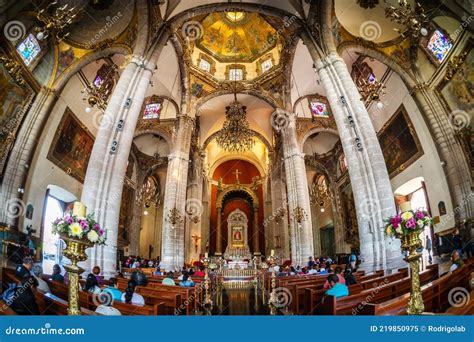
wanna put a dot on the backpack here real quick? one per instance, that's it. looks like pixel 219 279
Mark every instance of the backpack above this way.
pixel 8 296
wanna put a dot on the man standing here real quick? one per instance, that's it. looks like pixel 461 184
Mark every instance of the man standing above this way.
pixel 428 246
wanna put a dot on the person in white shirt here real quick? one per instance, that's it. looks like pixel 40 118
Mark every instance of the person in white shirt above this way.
pixel 130 297
pixel 107 310
pixel 313 270
pixel 92 286
pixel 42 285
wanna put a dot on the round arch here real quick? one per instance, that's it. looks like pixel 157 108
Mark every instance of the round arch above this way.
pixel 237 188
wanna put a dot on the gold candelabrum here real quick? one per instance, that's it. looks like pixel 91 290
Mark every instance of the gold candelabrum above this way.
pixel 413 20
pixel 411 243
pixel 299 215
pixel 76 252
pixel 255 266
pixel 272 260
pixel 207 293
pixel 175 217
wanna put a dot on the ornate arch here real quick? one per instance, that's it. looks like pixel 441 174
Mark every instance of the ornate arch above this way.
pixel 236 188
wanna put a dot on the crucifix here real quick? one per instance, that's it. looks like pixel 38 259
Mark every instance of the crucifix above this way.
pixel 196 240
pixel 237 173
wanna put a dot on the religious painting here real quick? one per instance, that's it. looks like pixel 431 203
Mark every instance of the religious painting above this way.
pixel 399 142
pixel 65 59
pixel 29 211
pixel 319 106
pixel 442 208
pixel 15 97
pixel 237 236
pixel 71 146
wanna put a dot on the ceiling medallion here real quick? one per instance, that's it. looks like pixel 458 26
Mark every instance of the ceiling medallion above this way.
pixel 235 135
pixel 234 16
pixel 368 3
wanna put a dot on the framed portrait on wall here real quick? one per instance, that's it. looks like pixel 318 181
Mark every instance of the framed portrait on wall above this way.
pixel 72 146
pixel 399 142
pixel 237 236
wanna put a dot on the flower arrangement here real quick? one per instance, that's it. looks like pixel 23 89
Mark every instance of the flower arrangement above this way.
pixel 80 226
pixel 407 222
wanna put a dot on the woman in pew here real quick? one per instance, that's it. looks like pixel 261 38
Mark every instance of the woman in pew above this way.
pixel 92 286
pixel 169 279
pixel 96 272
pixel 113 290
pixel 186 281
pixel 106 307
pixel 130 297
pixel 57 276
pixel 349 277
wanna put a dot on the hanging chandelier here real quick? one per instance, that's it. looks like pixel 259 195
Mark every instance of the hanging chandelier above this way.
pixel 235 135
pixel 414 20
pixel 371 89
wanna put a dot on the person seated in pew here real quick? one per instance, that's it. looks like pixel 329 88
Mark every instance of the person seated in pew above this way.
pixel 338 273
pixel 96 272
pixel 336 289
pixel 24 301
pixel 157 270
pixel 113 290
pixel 38 273
pixel 92 286
pixel 183 272
pixel 24 268
pixel 349 277
pixel 168 280
pixel 139 278
pixel 200 273
pixel 130 296
pixel 322 270
pixel 187 281
pixel 106 307
pixel 57 276
pixel 457 261
pixel 313 270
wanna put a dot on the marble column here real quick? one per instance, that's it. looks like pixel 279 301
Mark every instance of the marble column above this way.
pixel 298 195
pixel 22 153
pixel 255 237
pixel 172 250
pixel 219 232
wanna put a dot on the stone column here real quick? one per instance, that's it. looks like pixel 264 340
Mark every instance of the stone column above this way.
pixel 22 153
pixel 298 196
pixel 219 232
pixel 367 170
pixel 175 195
pixel 255 237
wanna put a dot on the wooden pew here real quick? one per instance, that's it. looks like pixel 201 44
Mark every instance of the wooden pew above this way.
pixel 352 303
pixel 5 310
pixel 311 299
pixel 435 297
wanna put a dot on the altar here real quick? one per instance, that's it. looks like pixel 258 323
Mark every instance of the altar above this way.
pixel 237 252
pixel 237 264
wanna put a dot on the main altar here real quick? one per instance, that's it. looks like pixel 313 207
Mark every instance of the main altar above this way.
pixel 237 253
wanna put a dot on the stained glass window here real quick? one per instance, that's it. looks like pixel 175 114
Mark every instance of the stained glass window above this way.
pixel 319 109
pixel 236 74
pixel 439 45
pixel 152 111
pixel 267 65
pixel 204 65
pixel 98 81
pixel 29 49
pixel 371 78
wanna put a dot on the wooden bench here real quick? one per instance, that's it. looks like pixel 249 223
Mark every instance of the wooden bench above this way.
pixel 435 297
pixel 353 303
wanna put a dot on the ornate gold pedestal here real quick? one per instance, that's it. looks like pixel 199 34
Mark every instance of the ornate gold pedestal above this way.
pixel 75 251
pixel 410 243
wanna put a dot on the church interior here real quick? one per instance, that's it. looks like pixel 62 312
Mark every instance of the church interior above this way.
pixel 237 157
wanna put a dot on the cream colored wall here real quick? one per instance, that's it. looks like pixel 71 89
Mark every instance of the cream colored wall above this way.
pixel 428 165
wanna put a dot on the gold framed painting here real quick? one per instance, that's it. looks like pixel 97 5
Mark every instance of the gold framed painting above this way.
pixel 237 236
pixel 71 146
pixel 399 142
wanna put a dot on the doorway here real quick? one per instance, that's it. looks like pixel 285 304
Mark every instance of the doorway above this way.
pixel 327 241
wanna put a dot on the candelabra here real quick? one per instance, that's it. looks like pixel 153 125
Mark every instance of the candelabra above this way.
pixel 371 90
pixel 299 215
pixel 207 294
pixel 273 296
pixel 255 265
pixel 414 21
pixel 97 93
pixel 174 217
pixel 55 19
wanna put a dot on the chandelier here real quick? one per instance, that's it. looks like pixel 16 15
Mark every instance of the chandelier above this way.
pixel 299 215
pixel 371 89
pixel 414 21
pixel 174 217
pixel 55 20
pixel 97 92
pixel 318 195
pixel 235 135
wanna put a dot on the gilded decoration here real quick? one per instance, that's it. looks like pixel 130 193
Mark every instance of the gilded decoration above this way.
pixel 245 39
pixel 15 97
pixel 304 125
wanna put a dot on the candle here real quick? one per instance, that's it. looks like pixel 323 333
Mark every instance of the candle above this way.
pixel 405 206
pixel 272 252
pixel 206 255
pixel 79 209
